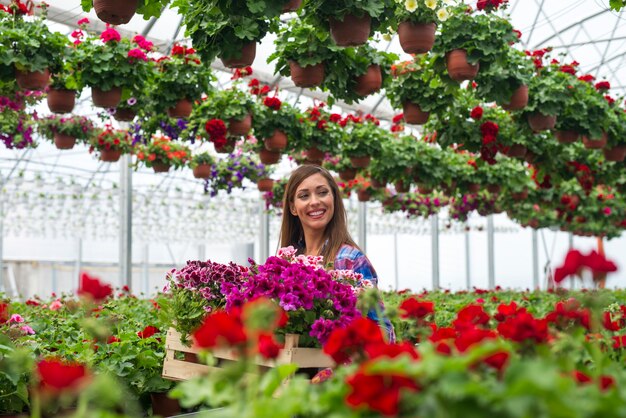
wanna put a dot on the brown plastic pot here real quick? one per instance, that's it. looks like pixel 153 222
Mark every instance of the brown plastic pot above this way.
pixel 567 137
pixel 518 196
pixel 360 162
pixel 265 185
pixel 110 155
pixel 163 405
pixel 494 188
pixel 276 142
pixel 245 57
pixel 458 67
pixel 617 153
pixel 516 151
pixel 370 82
pixel 378 184
pixel 32 80
pixel 182 109
pixel 473 187
pixel 315 154
pixel 160 167
pixel 351 31
pixel 269 157
pixel 310 76
pixel 240 127
pixel 401 187
pixel 202 171
pixel 539 122
pixel 228 147
pixel 115 12
pixel 347 174
pixel 414 114
pixel 363 195
pixel 124 115
pixel 416 38
pixel 61 101
pixel 63 141
pixel 424 189
pixel 595 143
pixel 519 99
pixel 292 6
pixel 106 99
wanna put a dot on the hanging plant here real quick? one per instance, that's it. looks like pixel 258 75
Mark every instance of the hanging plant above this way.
pixel 275 122
pixel 161 154
pixel 118 12
pixel 110 144
pixel 64 132
pixel 364 140
pixel 416 24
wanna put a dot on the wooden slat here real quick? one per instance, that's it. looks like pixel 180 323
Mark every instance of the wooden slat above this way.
pixel 181 370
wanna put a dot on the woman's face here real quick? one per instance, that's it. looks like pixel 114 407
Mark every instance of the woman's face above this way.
pixel 313 203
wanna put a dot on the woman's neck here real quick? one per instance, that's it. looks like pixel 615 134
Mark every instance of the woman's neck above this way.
pixel 314 241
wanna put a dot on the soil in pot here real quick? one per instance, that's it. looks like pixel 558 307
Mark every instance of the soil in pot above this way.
pixel 115 12
pixel 106 99
pixel 414 115
pixel 181 110
pixel 32 80
pixel 539 122
pixel 240 127
pixel 61 101
pixel 244 59
pixel 310 76
pixel 62 141
pixel 416 38
pixel 458 67
pixel 202 171
pixel 519 99
pixel 352 31
pixel 370 82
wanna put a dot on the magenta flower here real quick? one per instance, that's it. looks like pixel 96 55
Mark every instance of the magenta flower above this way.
pixel 110 34
pixel 137 54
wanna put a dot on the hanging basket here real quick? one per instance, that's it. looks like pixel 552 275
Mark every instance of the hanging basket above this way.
pixel 276 142
pixel 61 101
pixel 124 115
pixel 110 155
pixel 202 171
pixel 182 109
pixel 424 188
pixel 269 157
pixel 315 154
pixel 160 167
pixel 360 162
pixel 519 196
pixel 240 127
pixel 519 99
pixel 595 143
pixel 265 185
pixel 347 174
pixel 32 80
pixel 494 188
pixel 539 122
pixel 416 38
pixel 292 6
pixel 401 187
pixel 473 187
pixel 458 67
pixel 63 141
pixel 617 153
pixel 115 12
pixel 567 137
pixel 227 148
pixel 309 76
pixel 414 114
pixel 106 99
pixel 378 184
pixel 351 31
pixel 363 195
pixel 245 58
pixel 516 151
pixel 370 82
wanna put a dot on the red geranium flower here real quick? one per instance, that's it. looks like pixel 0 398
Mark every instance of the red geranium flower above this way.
pixel 4 313
pixel 380 392
pixel 524 326
pixel 268 348
pixel 581 377
pixel 216 128
pixel 470 336
pixel 603 85
pixel 476 113
pixel 220 327
pixel 391 350
pixel 416 309
pixel 343 343
pixel 113 339
pixel 148 332
pixel 94 288
pixel 110 34
pixel 56 375
pixel 497 360
pixel 273 103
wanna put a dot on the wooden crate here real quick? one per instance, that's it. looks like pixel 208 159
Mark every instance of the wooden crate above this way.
pixel 174 369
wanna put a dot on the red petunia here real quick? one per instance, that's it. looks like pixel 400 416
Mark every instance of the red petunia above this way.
pixel 343 343
pixel 416 309
pixel 218 328
pixel 379 392
pixel 476 113
pixel 56 375
pixel 91 286
pixel 148 332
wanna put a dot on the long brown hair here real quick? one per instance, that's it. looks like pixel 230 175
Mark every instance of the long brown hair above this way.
pixel 336 232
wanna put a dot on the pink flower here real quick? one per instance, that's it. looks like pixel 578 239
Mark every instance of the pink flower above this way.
pixel 83 21
pixel 110 34
pixel 607 210
pixel 27 330
pixel 16 318
pixel 143 43
pixel 137 54
pixel 77 34
pixel 56 305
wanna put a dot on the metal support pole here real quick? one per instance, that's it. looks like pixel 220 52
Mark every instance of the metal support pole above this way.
pixel 395 260
pixel 535 260
pixel 363 226
pixel 126 222
pixel 146 269
pixel 264 233
pixel 490 252
pixel 78 265
pixel 468 277
pixel 202 252
pixel 1 241
pixel 434 230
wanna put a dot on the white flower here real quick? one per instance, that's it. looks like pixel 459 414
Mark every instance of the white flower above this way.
pixel 431 4
pixel 448 2
pixel 443 14
pixel 410 5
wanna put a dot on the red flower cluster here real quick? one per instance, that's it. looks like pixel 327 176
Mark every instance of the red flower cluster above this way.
pixel 416 309
pixel 346 342
pixel 575 261
pixel 489 5
pixel 257 89
pixel 397 124
pixel 242 72
pixel 379 391
pixel 273 103
pixel 606 382
pixel 4 313
pixel 603 86
pixel 56 375
pixel 83 21
pixel 148 332
pixel 588 78
pixel 180 50
pixel 476 113
pixel 92 287
pixel 137 54
pixel 524 327
pixel 110 35
pixel 16 8
pixel 489 130
pixel 143 43
pixel 216 128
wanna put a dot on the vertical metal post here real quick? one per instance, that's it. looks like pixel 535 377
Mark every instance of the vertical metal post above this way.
pixel 146 269
pixel 434 230
pixel 468 277
pixel 202 252
pixel 395 260
pixel 535 260
pixel 264 233
pixel 1 241
pixel 363 226
pixel 78 265
pixel 126 222
pixel 54 279
pixel 490 252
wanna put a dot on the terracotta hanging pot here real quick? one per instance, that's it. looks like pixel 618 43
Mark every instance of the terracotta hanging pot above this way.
pixel 160 167
pixel 124 115
pixel 424 189
pixel 352 31
pixel 401 187
pixel 363 195
pixel 276 142
pixel 595 143
pixel 227 148
pixel 458 67
pixel 378 184
pixel 244 59
pixel 518 196
pixel 529 157
pixel 416 38
pixel 516 151
pixel 110 155
pixel 115 12
pixel 265 185
pixel 413 114
pixel 61 101
pixel 163 405
pixel 617 153
pixel 63 141
pixel 370 82
pixel 539 122
pixel 315 154
pixel 182 109
pixel 32 80
pixel 106 99
pixel 567 137
pixel 309 76
pixel 473 187
pixel 519 99
pixel 269 157
pixel 292 6
pixel 360 162
pixel 494 188
pixel 202 171
pixel 347 174
pixel 240 127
